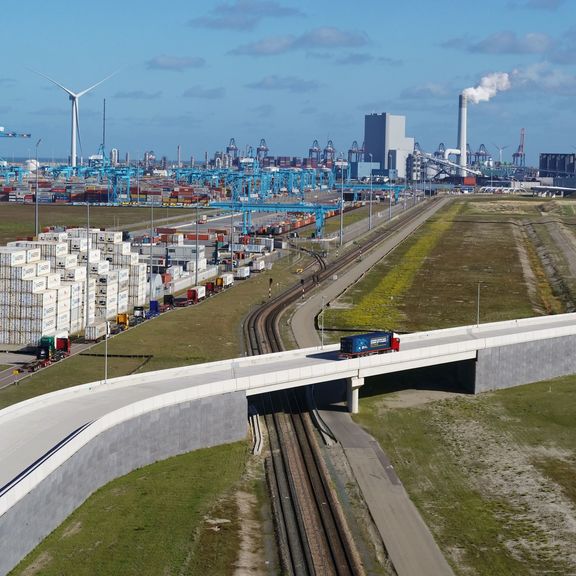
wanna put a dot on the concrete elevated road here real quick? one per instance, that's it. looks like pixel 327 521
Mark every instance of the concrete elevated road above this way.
pixel 30 429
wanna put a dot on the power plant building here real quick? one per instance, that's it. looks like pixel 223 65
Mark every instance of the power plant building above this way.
pixel 385 141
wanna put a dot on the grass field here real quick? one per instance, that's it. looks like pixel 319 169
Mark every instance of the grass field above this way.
pixel 431 280
pixel 493 475
pixel 17 220
pixel 178 516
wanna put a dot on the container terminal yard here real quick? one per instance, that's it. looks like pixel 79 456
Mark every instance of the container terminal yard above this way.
pixel 66 288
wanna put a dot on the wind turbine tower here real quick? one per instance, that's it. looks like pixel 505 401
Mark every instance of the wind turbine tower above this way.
pixel 75 124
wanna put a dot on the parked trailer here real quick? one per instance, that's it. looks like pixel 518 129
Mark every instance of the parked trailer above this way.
pixel 95 332
pixel 367 344
pixel 197 293
pixel 242 272
pixel 258 265
pixel 225 281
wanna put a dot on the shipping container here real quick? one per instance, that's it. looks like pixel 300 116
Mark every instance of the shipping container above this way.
pixel 370 343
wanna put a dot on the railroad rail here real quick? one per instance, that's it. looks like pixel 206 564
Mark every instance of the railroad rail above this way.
pixel 312 532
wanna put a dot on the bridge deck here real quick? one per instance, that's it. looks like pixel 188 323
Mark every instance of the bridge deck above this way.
pixel 28 430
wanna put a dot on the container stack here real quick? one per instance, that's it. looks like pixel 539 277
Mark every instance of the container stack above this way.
pixel 27 307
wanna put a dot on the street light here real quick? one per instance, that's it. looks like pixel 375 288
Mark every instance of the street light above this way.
pixel 196 249
pixel 478 305
pixel 322 325
pixel 342 206
pixel 106 352
pixel 370 207
pixel 36 224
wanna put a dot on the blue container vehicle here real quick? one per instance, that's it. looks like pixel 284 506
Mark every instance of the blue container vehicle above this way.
pixel 370 343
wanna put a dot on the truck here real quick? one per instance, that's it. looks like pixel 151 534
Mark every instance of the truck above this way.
pixel 368 344
pixel 225 281
pixel 242 272
pixel 258 265
pixel 50 349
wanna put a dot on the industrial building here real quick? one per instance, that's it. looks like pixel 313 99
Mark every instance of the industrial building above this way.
pixel 385 141
pixel 557 165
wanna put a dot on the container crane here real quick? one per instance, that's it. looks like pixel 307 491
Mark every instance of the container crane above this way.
pixel 314 151
pixel 262 150
pixel 354 152
pixel 519 157
pixel 481 155
pixel 329 152
pixel 232 149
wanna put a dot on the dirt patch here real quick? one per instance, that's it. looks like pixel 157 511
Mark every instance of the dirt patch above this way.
pixel 412 398
pixel 250 561
pixel 529 277
pixel 38 565
pixel 501 469
pixel 74 528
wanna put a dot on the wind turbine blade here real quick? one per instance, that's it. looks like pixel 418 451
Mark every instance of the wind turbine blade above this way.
pixel 54 82
pixel 97 84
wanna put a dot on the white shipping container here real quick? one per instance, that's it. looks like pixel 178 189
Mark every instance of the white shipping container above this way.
pixel 32 286
pixel 258 265
pixel 95 331
pixel 53 281
pixel 12 256
pixel 33 255
pixel 54 236
pixel 242 272
pixel 109 290
pixel 77 274
pixel 42 268
pixel 100 267
pixel 23 272
pixel 77 244
pixel 200 291
pixel 68 261
pixel 113 237
pixel 93 254
pixel 63 320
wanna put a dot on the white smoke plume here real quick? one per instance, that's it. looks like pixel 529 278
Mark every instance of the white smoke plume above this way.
pixel 488 87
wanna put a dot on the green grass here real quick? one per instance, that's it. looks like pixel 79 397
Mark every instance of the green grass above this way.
pixel 152 521
pixel 17 220
pixel 431 280
pixel 444 470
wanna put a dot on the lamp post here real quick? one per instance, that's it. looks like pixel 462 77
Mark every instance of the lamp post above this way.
pixel 36 223
pixel 478 305
pixel 87 299
pixel 342 207
pixel 370 206
pixel 106 353
pixel 196 249
pixel 390 204
pixel 322 325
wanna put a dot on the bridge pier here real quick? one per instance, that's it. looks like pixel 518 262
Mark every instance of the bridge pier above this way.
pixel 352 387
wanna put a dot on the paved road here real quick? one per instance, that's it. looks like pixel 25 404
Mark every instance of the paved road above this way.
pixel 407 539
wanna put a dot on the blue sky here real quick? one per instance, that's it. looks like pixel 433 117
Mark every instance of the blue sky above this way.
pixel 289 71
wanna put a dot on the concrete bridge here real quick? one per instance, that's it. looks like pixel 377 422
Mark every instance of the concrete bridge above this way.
pixel 56 449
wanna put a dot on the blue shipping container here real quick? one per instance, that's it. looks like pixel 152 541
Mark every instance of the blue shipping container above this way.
pixel 362 343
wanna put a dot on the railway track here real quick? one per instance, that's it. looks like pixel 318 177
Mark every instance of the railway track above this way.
pixel 312 532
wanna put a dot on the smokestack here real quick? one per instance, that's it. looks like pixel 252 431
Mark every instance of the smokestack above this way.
pixel 462 131
pixel 178 154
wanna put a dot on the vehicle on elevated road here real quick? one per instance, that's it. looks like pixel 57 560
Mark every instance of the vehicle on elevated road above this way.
pixel 367 344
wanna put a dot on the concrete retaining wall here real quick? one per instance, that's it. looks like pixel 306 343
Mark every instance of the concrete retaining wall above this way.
pixel 134 443
pixel 517 364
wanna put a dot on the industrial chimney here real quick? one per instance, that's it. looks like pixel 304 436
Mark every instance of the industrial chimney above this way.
pixel 462 136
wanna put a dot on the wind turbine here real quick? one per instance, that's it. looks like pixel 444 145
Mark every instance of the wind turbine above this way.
pixel 500 148
pixel 74 97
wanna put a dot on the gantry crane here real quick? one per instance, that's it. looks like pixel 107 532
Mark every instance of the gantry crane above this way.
pixel 519 157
